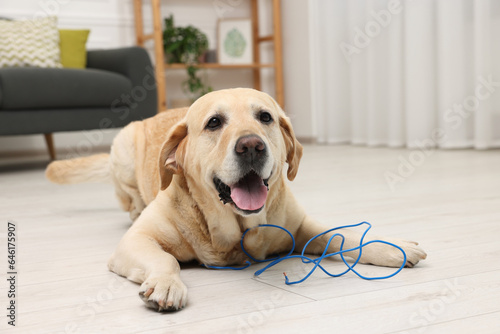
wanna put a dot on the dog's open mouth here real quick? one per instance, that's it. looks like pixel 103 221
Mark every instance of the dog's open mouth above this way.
pixel 249 194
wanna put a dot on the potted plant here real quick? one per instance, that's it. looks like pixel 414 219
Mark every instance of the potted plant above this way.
pixel 186 45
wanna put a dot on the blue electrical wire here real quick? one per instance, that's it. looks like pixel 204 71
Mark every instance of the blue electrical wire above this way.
pixel 318 260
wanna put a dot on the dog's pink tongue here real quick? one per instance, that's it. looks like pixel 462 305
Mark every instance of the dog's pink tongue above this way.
pixel 250 193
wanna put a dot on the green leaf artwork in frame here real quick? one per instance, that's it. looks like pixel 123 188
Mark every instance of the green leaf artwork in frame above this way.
pixel 234 43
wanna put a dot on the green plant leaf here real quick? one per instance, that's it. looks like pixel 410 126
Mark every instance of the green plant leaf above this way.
pixel 186 45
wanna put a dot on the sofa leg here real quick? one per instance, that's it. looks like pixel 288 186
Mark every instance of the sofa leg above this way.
pixel 50 145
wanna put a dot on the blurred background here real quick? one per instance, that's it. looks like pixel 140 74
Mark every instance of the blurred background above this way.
pixel 371 72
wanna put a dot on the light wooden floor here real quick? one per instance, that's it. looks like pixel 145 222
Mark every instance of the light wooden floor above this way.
pixel 450 204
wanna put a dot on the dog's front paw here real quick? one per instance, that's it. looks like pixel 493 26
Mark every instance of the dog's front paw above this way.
pixel 164 293
pixel 381 254
pixel 414 253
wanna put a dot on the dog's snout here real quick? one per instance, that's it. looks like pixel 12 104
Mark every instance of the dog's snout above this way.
pixel 251 146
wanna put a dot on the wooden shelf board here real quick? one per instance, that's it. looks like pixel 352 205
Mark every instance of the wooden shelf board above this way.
pixel 219 66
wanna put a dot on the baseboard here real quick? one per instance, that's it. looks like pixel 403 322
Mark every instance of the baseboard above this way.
pixel 307 140
pixel 41 153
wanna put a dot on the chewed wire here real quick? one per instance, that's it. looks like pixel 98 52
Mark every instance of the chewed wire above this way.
pixel 324 255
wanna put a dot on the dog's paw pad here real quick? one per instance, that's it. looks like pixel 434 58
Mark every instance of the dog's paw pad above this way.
pixel 409 264
pixel 163 294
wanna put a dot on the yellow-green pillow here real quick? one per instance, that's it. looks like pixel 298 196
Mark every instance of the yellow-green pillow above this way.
pixel 73 51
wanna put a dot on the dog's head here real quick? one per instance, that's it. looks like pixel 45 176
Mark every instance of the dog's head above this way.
pixel 233 143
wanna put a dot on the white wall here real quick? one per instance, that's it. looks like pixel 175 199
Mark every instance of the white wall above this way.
pixel 112 25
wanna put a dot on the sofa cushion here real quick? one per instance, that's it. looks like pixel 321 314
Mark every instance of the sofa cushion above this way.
pixel 51 88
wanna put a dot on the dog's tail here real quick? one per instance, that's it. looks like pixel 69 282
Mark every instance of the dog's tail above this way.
pixel 95 168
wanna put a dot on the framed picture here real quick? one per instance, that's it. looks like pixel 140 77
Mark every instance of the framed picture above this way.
pixel 235 41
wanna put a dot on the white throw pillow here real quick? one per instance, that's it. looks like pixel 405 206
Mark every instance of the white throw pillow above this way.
pixel 30 43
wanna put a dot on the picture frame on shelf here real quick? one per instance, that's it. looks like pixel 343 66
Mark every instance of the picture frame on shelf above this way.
pixel 235 41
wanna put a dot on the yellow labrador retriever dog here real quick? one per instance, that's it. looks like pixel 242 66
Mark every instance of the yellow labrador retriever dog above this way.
pixel 195 179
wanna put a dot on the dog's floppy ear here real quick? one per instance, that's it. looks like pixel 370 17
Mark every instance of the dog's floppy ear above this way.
pixel 293 147
pixel 172 153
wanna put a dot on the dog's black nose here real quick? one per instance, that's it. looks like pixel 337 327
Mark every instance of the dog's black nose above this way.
pixel 250 148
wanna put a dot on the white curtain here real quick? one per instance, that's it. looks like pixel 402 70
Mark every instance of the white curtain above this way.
pixel 421 73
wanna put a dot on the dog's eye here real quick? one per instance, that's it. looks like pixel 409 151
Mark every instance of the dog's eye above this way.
pixel 214 123
pixel 265 117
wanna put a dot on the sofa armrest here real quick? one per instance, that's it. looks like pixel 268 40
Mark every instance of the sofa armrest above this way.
pixel 135 64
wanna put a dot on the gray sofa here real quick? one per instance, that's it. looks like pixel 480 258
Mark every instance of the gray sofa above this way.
pixel 117 87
